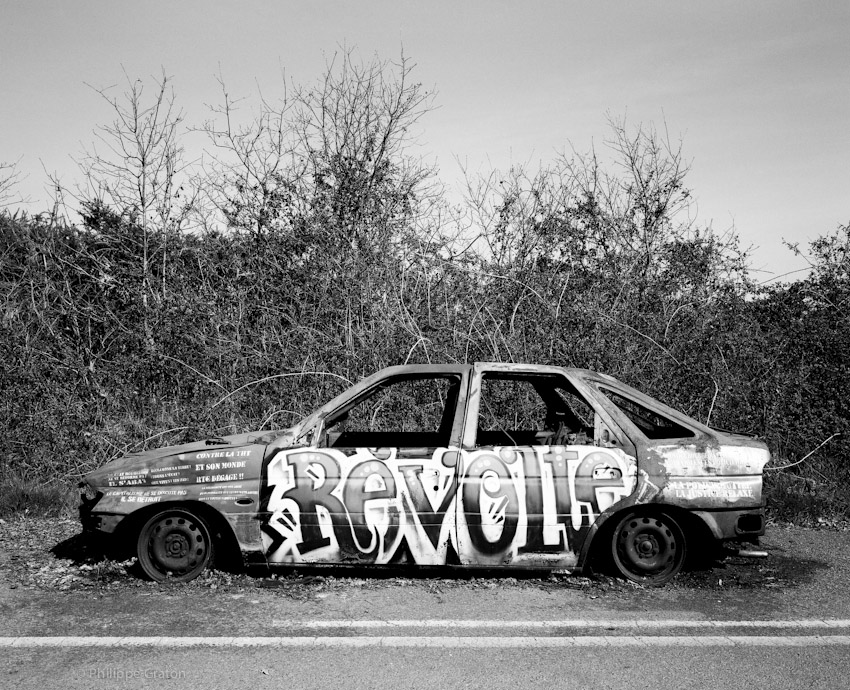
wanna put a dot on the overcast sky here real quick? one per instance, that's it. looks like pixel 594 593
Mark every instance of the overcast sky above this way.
pixel 759 92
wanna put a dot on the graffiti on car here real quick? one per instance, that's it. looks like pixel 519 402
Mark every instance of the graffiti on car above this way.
pixel 489 506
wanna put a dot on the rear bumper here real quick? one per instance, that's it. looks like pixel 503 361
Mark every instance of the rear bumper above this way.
pixel 734 524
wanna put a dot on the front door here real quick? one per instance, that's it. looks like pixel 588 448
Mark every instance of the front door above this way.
pixel 380 483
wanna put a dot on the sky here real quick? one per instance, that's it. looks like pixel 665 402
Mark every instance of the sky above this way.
pixel 758 92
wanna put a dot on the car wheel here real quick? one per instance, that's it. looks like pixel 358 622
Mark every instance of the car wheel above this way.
pixel 174 545
pixel 649 549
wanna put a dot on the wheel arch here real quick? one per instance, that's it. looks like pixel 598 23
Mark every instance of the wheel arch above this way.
pixel 227 550
pixel 695 531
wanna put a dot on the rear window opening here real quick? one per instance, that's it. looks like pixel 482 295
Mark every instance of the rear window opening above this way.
pixel 653 425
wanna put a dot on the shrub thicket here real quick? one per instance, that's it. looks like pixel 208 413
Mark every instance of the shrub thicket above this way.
pixel 323 251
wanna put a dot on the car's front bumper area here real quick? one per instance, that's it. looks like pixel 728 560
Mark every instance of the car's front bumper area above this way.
pixel 99 522
pixel 91 519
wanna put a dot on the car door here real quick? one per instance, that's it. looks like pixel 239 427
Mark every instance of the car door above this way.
pixel 541 463
pixel 378 483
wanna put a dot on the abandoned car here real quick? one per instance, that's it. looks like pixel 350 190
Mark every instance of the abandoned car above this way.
pixel 485 465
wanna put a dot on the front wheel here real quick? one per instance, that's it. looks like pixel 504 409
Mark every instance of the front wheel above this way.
pixel 649 549
pixel 174 545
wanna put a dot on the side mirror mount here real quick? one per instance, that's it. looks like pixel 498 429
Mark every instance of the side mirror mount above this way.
pixel 311 436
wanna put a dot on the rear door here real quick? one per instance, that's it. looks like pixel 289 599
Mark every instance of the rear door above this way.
pixel 541 463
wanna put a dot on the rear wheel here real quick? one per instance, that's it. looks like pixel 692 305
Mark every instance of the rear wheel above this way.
pixel 174 545
pixel 649 549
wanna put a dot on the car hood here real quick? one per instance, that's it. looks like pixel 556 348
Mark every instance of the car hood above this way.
pixel 140 469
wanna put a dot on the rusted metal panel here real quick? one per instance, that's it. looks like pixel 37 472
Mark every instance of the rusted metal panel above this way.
pixel 719 477
pixel 224 477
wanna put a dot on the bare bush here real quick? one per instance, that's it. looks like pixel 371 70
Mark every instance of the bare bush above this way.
pixel 133 170
pixel 250 175
pixel 324 255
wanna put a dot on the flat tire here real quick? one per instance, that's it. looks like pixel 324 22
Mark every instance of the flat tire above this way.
pixel 174 545
pixel 648 548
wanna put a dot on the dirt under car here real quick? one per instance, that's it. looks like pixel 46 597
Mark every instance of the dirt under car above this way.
pixel 483 466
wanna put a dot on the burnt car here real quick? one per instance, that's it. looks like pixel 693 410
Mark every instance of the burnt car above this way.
pixel 486 466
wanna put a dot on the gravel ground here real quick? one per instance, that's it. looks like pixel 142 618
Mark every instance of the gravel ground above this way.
pixel 52 554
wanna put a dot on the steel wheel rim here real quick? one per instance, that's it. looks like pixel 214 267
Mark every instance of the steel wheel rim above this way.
pixel 176 546
pixel 648 548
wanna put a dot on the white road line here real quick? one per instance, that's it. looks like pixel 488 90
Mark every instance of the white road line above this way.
pixel 454 642
pixel 616 624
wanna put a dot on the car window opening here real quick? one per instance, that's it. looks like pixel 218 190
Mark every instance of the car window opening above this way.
pixel 516 409
pixel 405 412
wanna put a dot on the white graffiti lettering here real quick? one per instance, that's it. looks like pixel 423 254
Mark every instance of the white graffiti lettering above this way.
pixel 487 507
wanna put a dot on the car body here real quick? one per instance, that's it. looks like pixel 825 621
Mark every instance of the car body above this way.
pixel 483 465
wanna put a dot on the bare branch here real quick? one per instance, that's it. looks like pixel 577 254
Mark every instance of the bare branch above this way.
pixel 10 177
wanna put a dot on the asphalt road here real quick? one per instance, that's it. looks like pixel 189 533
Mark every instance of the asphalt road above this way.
pixel 783 622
